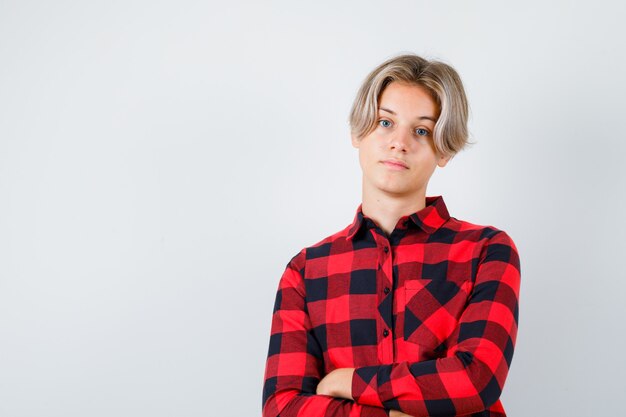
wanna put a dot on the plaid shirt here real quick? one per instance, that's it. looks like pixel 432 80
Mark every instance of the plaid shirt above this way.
pixel 427 315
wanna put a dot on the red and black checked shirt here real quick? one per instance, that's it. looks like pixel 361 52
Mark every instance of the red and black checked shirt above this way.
pixel 427 315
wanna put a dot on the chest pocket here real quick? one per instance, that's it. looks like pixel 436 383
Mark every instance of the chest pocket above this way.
pixel 432 309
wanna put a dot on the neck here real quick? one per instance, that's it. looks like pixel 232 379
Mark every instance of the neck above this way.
pixel 386 209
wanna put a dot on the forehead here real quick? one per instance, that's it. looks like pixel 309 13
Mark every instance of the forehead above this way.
pixel 408 100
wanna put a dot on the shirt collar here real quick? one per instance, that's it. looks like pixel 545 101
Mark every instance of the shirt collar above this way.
pixel 429 219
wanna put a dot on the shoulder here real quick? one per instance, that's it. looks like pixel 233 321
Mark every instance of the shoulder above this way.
pixel 491 243
pixel 480 233
pixel 488 242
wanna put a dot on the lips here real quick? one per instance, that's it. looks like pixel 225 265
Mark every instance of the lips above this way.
pixel 395 163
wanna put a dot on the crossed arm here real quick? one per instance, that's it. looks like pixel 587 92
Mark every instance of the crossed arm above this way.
pixel 468 380
pixel 338 384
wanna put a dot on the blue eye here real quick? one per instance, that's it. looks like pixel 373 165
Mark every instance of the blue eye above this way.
pixel 421 132
pixel 380 122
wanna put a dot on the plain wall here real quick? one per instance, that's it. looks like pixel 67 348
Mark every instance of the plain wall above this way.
pixel 161 162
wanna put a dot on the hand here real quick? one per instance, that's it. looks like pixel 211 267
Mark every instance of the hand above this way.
pixel 337 383
pixel 396 413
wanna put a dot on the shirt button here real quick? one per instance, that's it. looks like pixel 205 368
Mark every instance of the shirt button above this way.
pixel 386 290
pixel 386 249
pixel 385 332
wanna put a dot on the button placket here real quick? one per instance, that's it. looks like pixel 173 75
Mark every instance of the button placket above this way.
pixel 386 264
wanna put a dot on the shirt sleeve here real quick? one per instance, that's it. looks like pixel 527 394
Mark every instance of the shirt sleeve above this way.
pixel 471 376
pixel 294 364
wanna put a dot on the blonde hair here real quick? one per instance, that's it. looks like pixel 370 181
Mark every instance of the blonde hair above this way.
pixel 440 79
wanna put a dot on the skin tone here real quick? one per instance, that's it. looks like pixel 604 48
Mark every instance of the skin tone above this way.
pixel 407 115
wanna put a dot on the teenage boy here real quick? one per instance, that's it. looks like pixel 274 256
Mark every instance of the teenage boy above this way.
pixel 407 310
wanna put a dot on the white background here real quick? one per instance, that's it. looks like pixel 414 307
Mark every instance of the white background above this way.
pixel 161 162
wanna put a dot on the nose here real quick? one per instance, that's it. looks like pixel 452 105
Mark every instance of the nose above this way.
pixel 400 140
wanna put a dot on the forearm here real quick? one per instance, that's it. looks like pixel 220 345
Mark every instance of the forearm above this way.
pixel 338 384
pixel 294 403
pixel 396 413
pixel 445 386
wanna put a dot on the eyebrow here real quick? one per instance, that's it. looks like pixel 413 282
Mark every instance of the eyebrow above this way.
pixel 432 119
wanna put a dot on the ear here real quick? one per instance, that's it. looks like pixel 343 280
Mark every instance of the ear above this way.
pixel 443 160
pixel 356 142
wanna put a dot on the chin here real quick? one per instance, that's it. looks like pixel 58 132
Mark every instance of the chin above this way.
pixel 397 191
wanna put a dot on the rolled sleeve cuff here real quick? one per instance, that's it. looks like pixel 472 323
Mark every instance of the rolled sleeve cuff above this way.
pixel 365 386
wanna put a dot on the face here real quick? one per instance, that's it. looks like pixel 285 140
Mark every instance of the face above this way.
pixel 398 157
